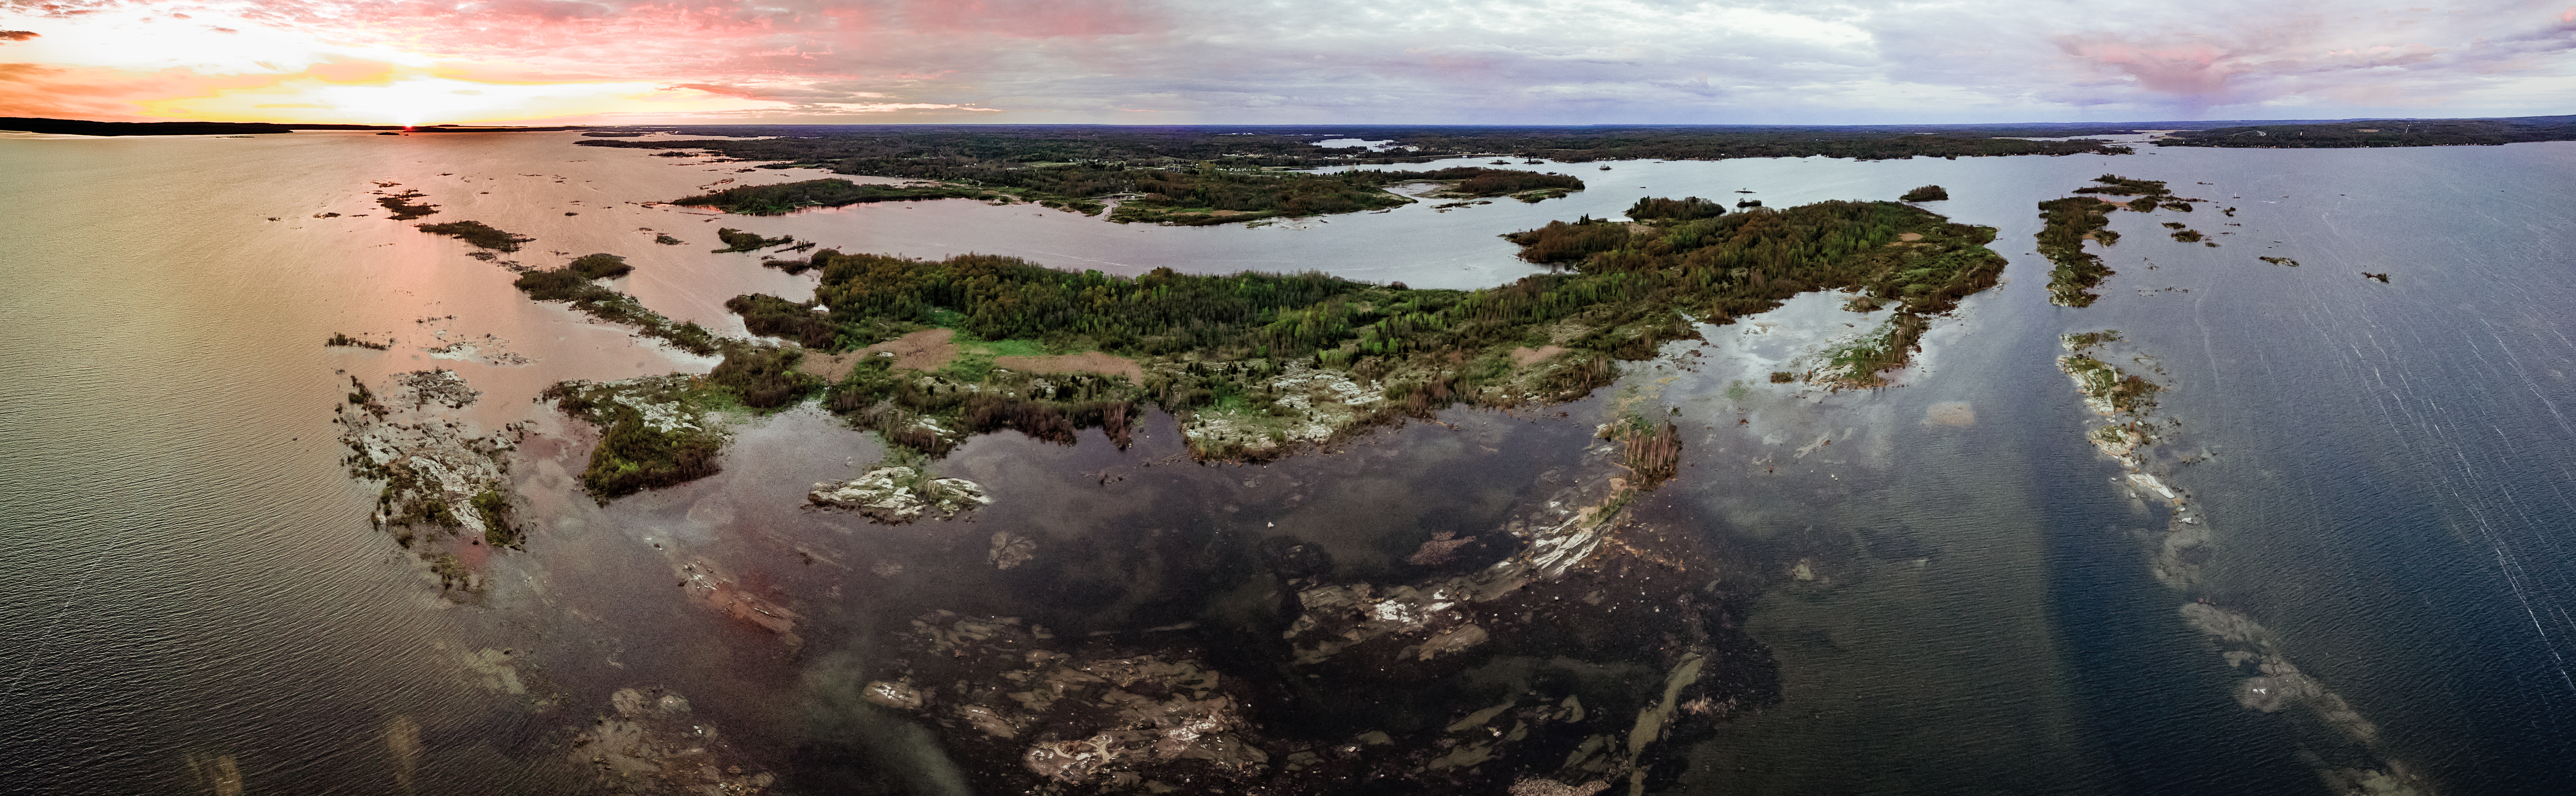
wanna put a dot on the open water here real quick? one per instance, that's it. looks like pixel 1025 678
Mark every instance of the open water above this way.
pixel 193 587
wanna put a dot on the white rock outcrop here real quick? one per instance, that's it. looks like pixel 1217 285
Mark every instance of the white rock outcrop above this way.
pixel 897 494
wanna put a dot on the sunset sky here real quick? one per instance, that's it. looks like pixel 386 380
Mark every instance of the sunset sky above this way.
pixel 1246 61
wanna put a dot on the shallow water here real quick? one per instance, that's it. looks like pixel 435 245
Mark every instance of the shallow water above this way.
pixel 2388 481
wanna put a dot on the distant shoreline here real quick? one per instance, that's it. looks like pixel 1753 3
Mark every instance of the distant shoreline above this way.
pixel 85 127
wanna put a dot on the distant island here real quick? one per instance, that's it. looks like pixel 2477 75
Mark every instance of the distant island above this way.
pixel 1180 197
pixel 2355 133
pixel 985 152
pixel 85 127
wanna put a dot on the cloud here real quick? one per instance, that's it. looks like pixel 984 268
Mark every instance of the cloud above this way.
pixel 17 35
pixel 1429 61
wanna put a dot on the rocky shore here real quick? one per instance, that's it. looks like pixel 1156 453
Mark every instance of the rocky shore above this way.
pixel 2270 680
pixel 895 494
pixel 446 493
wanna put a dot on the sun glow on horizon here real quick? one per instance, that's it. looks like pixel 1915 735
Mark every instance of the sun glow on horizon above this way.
pixel 150 66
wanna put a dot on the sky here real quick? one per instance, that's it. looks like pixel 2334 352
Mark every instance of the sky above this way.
pixel 1263 62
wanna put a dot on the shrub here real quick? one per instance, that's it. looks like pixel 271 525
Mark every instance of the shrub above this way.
pixel 1683 209
pixel 763 377
pixel 601 266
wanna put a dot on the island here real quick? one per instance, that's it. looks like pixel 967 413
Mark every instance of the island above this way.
pixel 2072 220
pixel 1207 194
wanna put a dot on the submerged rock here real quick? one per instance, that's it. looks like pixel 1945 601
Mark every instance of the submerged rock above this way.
pixel 1355 687
pixel 651 744
pixel 896 494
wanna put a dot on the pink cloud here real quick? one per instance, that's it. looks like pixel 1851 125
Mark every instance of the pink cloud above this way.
pixel 17 35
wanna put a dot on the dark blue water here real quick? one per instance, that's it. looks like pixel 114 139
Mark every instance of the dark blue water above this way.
pixel 2391 484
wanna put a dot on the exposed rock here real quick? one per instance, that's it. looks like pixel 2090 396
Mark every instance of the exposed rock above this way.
pixel 434 468
pixel 442 387
pixel 896 494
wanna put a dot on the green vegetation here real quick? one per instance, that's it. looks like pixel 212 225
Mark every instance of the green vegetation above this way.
pixel 998 166
pixel 2124 392
pixel 2280 261
pixel 667 240
pixel 1928 193
pixel 2070 221
pixel 1210 195
pixel 2382 133
pixel 495 510
pixel 739 241
pixel 771 200
pixel 763 377
pixel 2083 340
pixel 568 284
pixel 479 234
pixel 1684 209
pixel 600 266
pixel 403 209
pixel 2075 219
pixel 1219 347
pixel 652 432
pixel 1560 242
pixel 339 339
pixel 2116 185
pixel 1857 364
pixel 1651 453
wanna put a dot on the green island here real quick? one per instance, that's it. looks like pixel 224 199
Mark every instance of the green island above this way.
pixel 479 234
pixel 1205 194
pixel 573 283
pixel 402 207
pixel 1684 209
pixel 1255 364
pixel 1928 193
pixel 2072 220
pixel 739 241
pixel 782 198
pixel 1214 195
pixel 2280 261
pixel 2381 133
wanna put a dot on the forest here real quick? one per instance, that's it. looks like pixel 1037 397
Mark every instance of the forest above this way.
pixel 1203 194
pixel 2381 133
pixel 779 199
pixel 2071 221
pixel 1220 336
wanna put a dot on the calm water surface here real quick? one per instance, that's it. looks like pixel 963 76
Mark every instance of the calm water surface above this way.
pixel 193 579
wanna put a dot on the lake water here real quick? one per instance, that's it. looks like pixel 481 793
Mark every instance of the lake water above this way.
pixel 2385 469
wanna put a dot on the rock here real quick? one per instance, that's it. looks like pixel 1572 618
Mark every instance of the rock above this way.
pixel 898 695
pixel 896 494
